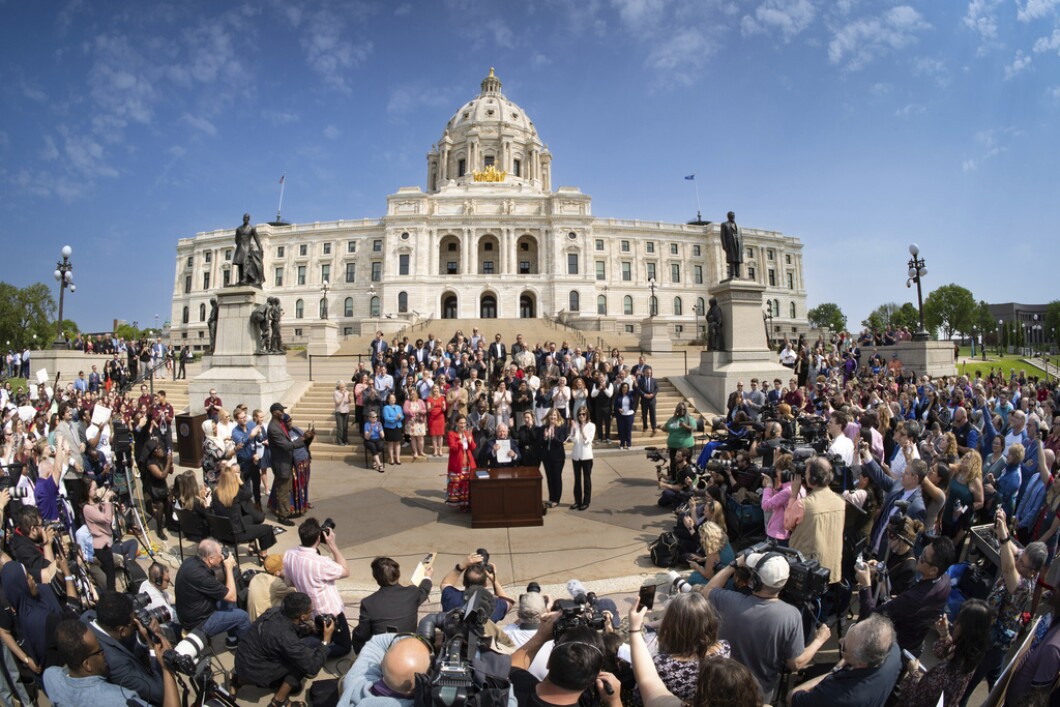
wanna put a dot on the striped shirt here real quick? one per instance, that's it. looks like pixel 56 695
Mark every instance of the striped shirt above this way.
pixel 311 573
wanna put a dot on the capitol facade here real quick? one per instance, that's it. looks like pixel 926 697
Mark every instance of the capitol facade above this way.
pixel 489 238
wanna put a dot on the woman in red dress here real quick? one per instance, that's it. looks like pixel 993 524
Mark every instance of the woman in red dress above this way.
pixel 436 420
pixel 461 464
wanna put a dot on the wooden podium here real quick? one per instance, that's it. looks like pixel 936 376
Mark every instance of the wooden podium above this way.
pixel 509 498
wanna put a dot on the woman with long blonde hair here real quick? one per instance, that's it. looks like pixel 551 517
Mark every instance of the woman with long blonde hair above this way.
pixel 233 500
pixel 964 497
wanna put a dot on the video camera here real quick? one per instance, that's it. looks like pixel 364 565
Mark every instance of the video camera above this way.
pixel 580 611
pixel 458 676
pixel 807 580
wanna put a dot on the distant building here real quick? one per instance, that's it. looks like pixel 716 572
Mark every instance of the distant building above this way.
pixel 489 238
pixel 1030 317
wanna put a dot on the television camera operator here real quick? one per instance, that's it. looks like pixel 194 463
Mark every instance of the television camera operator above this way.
pixel 475 571
pixel 818 533
pixel 765 633
pixel 33 544
pixel 281 650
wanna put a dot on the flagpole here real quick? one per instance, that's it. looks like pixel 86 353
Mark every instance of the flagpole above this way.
pixel 279 207
pixel 699 214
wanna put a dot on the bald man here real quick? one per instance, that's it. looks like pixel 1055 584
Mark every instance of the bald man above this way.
pixel 385 672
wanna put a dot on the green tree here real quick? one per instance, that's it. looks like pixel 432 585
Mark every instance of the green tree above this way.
pixel 1052 322
pixel 25 312
pixel 950 308
pixel 880 318
pixel 907 316
pixel 982 320
pixel 828 315
pixel 128 332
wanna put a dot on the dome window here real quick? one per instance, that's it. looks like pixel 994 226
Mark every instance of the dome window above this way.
pixel 405 236
pixel 490 112
pixel 488 161
pixel 466 116
pixel 517 168
pixel 515 116
pixel 572 235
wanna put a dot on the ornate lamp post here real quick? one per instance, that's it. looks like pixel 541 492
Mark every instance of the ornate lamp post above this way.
pixel 767 319
pixel 653 304
pixel 917 270
pixel 698 309
pixel 1000 322
pixel 324 302
pixel 371 296
pixel 65 277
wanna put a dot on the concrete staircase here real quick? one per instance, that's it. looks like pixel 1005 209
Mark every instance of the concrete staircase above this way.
pixel 317 406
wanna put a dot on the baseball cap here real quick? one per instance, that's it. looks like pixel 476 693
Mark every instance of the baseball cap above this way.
pixel 276 406
pixel 773 572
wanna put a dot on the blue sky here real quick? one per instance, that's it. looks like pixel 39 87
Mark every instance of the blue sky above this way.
pixel 858 126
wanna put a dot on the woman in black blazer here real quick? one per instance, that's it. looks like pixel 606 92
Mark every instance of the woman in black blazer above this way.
pixel 236 502
pixel 550 439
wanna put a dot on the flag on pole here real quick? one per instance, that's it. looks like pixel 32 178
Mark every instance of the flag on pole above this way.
pixel 690 177
pixel 282 178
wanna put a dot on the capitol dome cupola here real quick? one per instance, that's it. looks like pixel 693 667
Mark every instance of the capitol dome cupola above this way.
pixel 490 141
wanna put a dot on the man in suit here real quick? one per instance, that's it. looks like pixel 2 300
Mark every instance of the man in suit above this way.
pixel 905 489
pixel 648 388
pixel 127 659
pixel 282 447
pixel 498 354
pixel 394 607
pixel 378 348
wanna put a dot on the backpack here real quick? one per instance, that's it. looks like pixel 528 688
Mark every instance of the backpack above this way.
pixel 664 550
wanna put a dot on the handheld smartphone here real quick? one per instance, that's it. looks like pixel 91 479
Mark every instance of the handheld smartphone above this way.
pixel 909 656
pixel 647 596
pixel 428 559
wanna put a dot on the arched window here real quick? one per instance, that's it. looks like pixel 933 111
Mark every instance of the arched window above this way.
pixel 403 302
pixel 627 305
pixel 791 310
pixel 202 312
pixel 373 307
pixel 574 301
pixel 299 309
pixel 701 306
pixel 184 316
pixel 601 304
pixel 347 307
pixel 678 307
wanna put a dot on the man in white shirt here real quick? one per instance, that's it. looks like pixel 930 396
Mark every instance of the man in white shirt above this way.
pixel 905 449
pixel 156 586
pixel 841 445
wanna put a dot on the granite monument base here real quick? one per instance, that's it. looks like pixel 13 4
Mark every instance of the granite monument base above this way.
pixel 655 336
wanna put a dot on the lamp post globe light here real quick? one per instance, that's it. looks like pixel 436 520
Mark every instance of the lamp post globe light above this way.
pixel 917 270
pixel 65 277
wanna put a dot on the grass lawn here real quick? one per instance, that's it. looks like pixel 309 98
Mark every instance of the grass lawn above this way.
pixel 967 365
pixel 16 383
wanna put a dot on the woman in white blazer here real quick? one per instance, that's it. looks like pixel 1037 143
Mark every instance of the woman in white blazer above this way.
pixel 582 432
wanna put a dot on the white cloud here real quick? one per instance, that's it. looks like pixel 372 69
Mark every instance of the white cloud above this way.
pixel 84 155
pixel 279 117
pixel 403 9
pixel 861 41
pixel 689 47
pixel 933 68
pixel 50 151
pixel 408 99
pixel 1053 92
pixel 200 123
pixel 789 17
pixel 538 60
pixel 989 144
pixel 640 13
pixel 969 166
pixel 332 132
pixel 330 53
pixel 981 18
pixel 1048 44
pixel 1018 65
pixel 880 89
pixel 1029 10
pixel 909 110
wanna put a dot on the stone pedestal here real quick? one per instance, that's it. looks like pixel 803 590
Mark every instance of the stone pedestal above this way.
pixel 234 370
pixel 934 358
pixel 747 354
pixel 64 362
pixel 323 339
pixel 655 335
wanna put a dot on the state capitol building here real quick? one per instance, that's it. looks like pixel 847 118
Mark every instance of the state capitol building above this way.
pixel 489 238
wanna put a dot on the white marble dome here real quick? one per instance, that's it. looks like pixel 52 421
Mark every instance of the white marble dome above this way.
pixel 490 140
pixel 491 107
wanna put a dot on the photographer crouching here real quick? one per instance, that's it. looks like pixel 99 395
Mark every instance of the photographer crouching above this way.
pixel 281 649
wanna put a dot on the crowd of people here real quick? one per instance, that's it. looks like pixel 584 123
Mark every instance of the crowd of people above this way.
pixel 900 468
